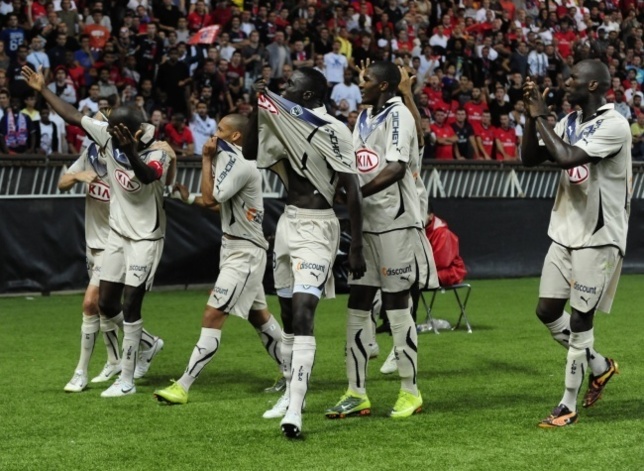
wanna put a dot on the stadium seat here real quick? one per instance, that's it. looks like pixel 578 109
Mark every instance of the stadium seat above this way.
pixel 458 290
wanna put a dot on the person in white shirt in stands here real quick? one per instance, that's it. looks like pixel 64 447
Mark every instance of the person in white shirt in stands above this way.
pixel 61 87
pixel 89 106
pixel 202 126
pixel 348 91
pixel 37 57
pixel 335 65
pixel 47 134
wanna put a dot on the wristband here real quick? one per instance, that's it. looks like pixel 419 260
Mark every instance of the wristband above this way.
pixel 191 199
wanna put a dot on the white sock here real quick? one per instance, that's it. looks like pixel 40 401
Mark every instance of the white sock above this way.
pixel 204 351
pixel 560 329
pixel 131 338
pixel 147 340
pixel 403 331
pixel 271 336
pixel 576 365
pixel 302 364
pixel 89 329
pixel 287 355
pixel 111 338
pixel 358 335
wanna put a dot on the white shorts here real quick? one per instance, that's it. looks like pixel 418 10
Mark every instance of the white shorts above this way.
pixel 588 277
pixel 427 273
pixel 131 262
pixel 94 258
pixel 391 260
pixel 238 288
pixel 306 243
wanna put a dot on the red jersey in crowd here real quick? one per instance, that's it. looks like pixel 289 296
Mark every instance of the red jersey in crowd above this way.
pixel 98 35
pixel 449 264
pixel 443 152
pixel 475 111
pixel 564 42
pixel 508 139
pixel 179 139
pixel 487 136
pixel 433 96
pixel 197 21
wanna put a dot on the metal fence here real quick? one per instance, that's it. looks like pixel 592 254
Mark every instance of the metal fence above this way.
pixel 35 176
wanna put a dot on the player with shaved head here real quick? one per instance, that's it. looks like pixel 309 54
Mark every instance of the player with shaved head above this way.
pixel 234 185
pixel 588 224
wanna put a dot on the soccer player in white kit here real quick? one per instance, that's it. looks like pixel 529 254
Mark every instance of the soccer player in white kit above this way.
pixel 137 220
pixel 312 153
pixel 387 151
pixel 235 185
pixel 588 224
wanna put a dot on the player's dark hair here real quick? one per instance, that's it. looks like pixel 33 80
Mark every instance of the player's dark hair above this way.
pixel 386 71
pixel 130 117
pixel 316 82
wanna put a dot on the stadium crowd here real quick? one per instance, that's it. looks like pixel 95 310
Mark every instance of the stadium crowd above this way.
pixel 470 59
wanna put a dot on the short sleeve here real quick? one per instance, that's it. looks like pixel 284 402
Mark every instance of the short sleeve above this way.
pixel 96 130
pixel 604 138
pixel 80 165
pixel 400 131
pixel 158 159
pixel 229 178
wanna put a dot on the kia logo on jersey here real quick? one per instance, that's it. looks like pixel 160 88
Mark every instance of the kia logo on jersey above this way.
pixel 578 175
pixel 265 103
pixel 125 181
pixel 99 191
pixel 367 160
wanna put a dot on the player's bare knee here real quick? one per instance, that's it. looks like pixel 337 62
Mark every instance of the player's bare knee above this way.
pixel 398 300
pixel 258 318
pixel 108 306
pixel 581 321
pixel 361 297
pixel 549 310
pixel 213 318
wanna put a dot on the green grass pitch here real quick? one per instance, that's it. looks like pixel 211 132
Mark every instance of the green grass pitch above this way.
pixel 484 394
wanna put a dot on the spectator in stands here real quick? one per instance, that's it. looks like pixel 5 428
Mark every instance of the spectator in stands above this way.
pixel 46 134
pixel 17 132
pixel 499 106
pixel 17 85
pixel 278 55
pixel 347 90
pixel 105 86
pixel 30 108
pixel 201 126
pixel 253 55
pixel 335 64
pixel 179 136
pixel 445 245
pixel 89 106
pixel 37 57
pixel 443 136
pixel 485 136
pixel 637 131
pixel 506 140
pixel 12 35
pixel 173 78
pixel 96 31
pixel 621 106
pixel 538 62
pixel 466 147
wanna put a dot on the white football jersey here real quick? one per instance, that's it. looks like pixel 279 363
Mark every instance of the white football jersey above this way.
pixel 389 136
pixel 238 188
pixel 97 199
pixel 136 209
pixel 316 145
pixel 202 130
pixel 593 200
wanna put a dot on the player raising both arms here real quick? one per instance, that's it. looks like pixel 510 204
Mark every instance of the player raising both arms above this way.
pixel 387 151
pixel 312 153
pixel 588 224
pixel 234 185
pixel 137 220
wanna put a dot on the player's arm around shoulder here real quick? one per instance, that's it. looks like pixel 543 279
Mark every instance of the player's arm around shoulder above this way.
pixel 77 173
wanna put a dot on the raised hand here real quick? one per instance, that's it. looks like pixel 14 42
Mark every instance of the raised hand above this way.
pixel 362 68
pixel 182 190
pixel 535 102
pixel 35 80
pixel 124 139
pixel 406 81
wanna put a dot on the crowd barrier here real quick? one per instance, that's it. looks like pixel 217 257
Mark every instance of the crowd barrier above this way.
pixel 501 235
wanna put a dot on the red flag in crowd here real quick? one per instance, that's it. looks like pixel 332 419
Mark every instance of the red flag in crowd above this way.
pixel 206 35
